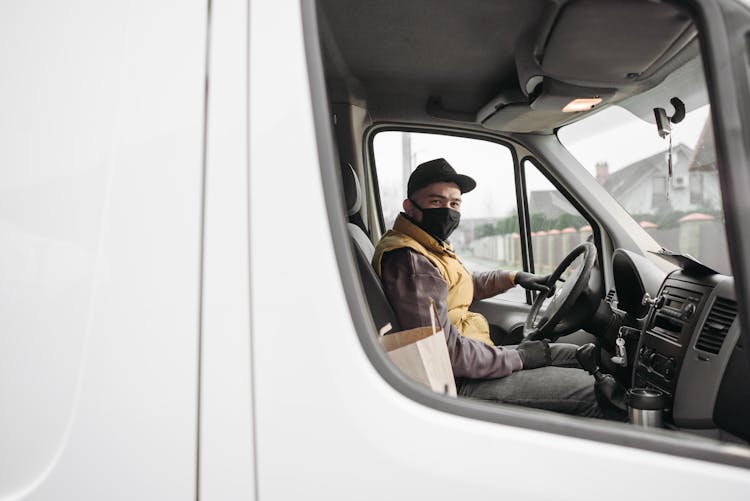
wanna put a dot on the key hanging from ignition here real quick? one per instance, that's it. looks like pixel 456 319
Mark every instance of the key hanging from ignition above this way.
pixel 621 354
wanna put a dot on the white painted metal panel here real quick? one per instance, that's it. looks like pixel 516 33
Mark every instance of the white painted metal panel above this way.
pixel 100 173
pixel 226 441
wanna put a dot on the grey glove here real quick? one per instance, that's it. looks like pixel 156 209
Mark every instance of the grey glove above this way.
pixel 534 354
pixel 532 282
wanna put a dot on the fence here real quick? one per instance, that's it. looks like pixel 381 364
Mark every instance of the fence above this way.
pixel 549 247
pixel 697 234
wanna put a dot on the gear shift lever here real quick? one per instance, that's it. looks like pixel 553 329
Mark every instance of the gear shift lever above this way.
pixel 587 356
pixel 609 393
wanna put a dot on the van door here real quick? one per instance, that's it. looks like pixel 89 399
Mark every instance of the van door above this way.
pixel 333 418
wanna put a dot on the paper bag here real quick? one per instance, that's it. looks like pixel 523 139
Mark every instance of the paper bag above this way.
pixel 422 354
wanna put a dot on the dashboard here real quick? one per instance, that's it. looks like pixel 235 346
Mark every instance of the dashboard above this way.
pixel 690 346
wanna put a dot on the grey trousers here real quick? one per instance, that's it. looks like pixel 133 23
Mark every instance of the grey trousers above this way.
pixel 562 386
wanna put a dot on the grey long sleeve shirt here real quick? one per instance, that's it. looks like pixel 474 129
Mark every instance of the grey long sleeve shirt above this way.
pixel 410 279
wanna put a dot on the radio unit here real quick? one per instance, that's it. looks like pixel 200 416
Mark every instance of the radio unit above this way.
pixel 679 305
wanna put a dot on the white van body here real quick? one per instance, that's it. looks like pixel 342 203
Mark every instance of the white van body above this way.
pixel 173 322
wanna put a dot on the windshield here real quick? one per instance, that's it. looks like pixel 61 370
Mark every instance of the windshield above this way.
pixel 680 207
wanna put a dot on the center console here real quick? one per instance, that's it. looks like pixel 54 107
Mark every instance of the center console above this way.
pixel 681 351
pixel 671 324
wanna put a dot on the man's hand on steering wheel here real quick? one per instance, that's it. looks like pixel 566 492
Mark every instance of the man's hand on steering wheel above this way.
pixel 558 317
pixel 532 282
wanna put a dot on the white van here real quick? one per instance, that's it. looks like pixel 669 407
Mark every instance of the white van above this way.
pixel 185 315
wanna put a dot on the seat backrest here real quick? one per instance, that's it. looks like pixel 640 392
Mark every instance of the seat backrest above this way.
pixel 362 241
pixel 380 308
pixel 353 194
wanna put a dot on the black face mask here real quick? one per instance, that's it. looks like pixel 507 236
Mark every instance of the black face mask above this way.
pixel 439 222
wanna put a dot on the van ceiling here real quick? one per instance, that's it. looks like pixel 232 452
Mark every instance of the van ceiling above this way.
pixel 481 62
pixel 438 47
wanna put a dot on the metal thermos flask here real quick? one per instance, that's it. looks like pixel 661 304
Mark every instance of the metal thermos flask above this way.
pixel 645 407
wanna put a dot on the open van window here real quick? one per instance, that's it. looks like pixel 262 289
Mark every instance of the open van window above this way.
pixel 489 211
pixel 398 85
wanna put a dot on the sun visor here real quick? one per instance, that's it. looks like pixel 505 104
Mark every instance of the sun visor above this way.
pixel 614 42
pixel 595 53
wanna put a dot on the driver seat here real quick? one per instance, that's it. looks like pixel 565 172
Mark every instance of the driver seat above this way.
pixel 380 308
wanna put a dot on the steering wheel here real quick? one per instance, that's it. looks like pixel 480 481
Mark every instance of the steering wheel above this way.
pixel 549 325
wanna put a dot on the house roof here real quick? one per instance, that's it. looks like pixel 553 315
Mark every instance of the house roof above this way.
pixel 627 178
pixel 704 156
pixel 550 202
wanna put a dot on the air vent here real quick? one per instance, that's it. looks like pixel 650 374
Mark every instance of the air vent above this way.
pixel 717 324
pixel 610 296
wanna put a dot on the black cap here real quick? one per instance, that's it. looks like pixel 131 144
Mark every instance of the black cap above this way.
pixel 436 171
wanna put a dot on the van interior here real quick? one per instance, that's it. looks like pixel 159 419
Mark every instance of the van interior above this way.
pixel 522 74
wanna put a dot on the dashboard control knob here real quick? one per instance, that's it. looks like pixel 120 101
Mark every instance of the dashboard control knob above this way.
pixel 648 355
pixel 689 310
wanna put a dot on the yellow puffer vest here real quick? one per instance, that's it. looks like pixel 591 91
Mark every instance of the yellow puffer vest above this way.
pixel 460 285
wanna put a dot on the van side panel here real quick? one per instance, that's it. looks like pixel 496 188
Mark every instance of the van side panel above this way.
pixel 329 425
pixel 100 171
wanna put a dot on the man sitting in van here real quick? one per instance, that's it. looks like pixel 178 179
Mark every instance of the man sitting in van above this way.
pixel 416 262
